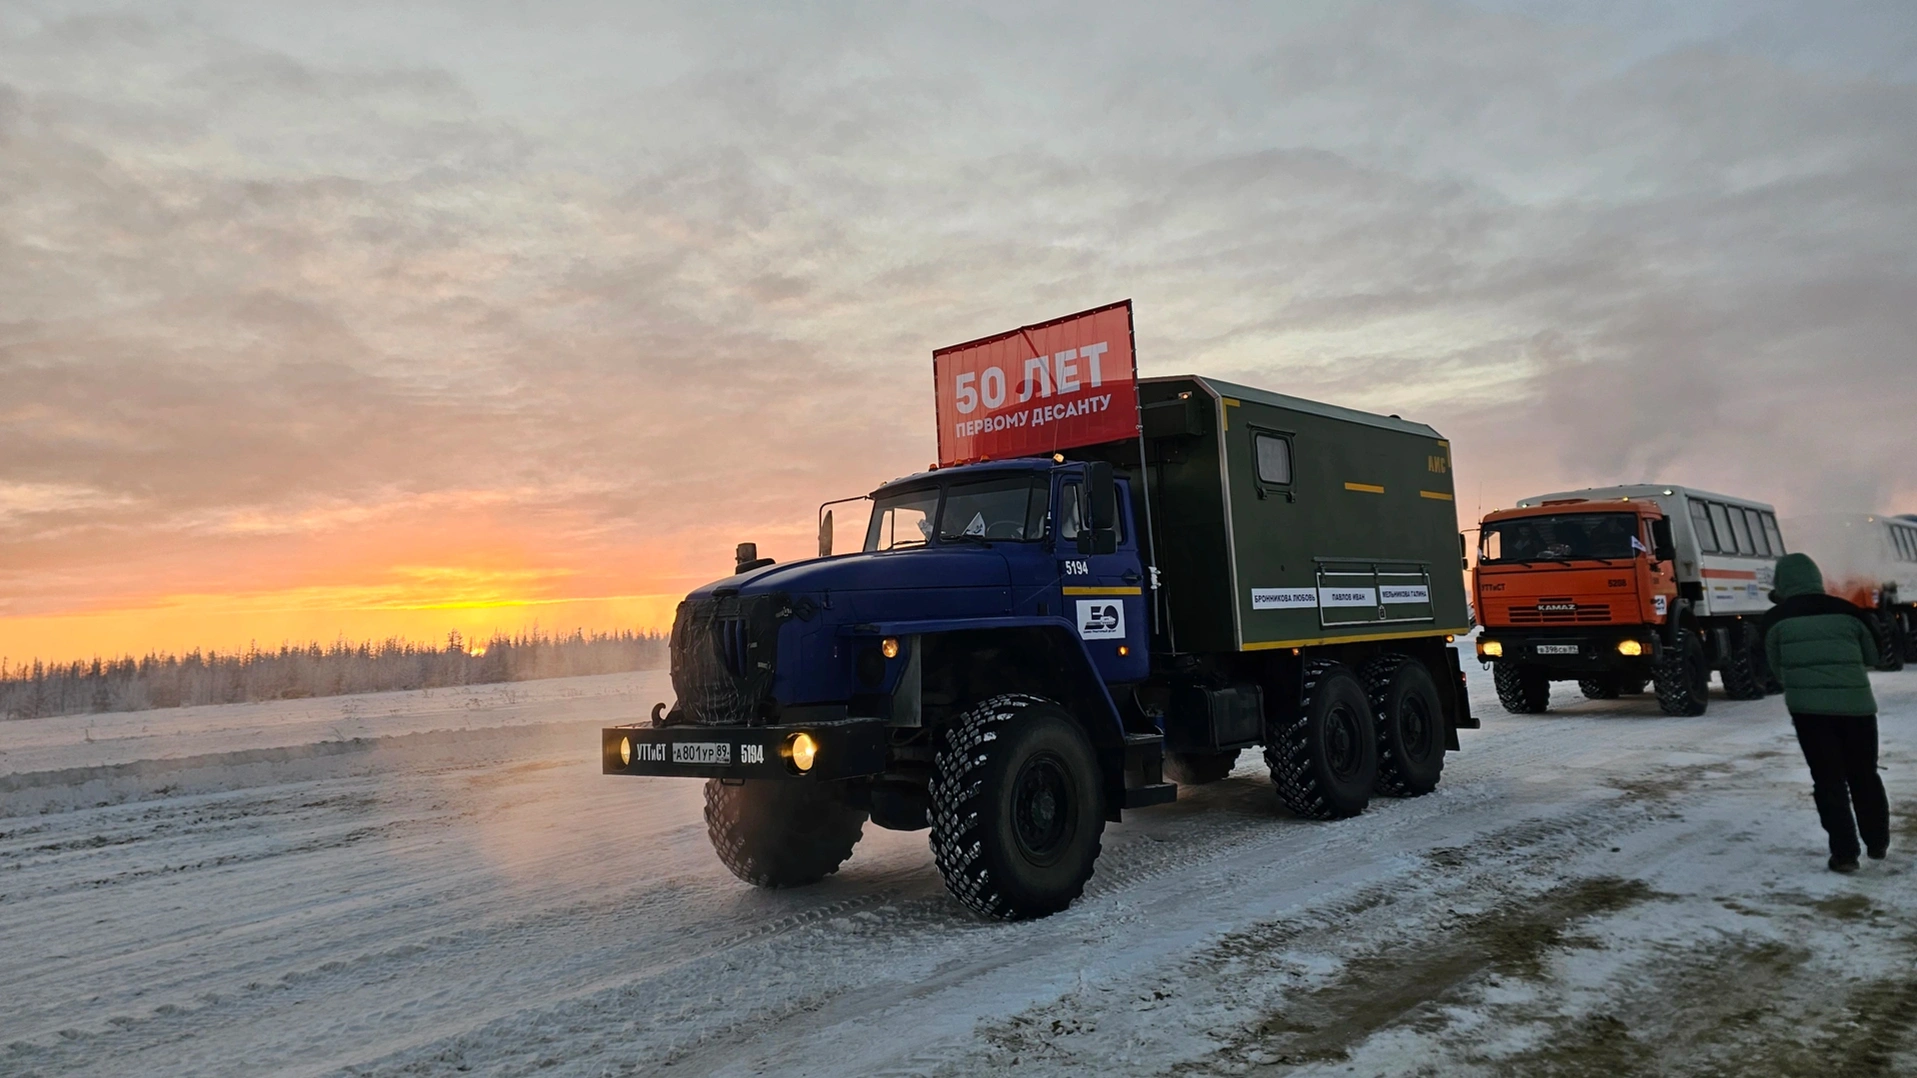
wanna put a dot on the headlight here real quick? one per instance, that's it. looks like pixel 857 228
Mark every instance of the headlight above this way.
pixel 1491 649
pixel 1630 647
pixel 625 752
pixel 802 751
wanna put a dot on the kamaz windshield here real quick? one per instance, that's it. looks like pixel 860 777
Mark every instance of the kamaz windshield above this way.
pixel 1560 538
pixel 1002 508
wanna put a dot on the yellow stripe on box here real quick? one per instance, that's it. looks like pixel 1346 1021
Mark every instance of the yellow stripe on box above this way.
pixel 1225 417
pixel 1102 591
pixel 1365 488
pixel 1435 495
pixel 1269 645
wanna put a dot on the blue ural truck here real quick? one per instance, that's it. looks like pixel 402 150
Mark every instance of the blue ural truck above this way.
pixel 1022 650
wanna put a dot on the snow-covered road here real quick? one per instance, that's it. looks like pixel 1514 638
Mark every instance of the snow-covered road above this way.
pixel 418 883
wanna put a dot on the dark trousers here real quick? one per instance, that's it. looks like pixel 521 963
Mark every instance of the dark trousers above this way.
pixel 1842 753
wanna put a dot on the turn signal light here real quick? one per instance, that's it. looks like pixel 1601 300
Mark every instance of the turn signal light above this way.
pixel 889 647
pixel 625 752
pixel 1629 647
pixel 1492 648
pixel 802 751
pixel 1123 651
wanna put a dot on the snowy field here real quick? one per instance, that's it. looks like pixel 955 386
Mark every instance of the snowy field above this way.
pixel 427 883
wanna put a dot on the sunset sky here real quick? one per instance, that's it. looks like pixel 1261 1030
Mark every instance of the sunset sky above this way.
pixel 372 319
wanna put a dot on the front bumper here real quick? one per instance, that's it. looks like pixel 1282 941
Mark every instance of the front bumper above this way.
pixel 1583 649
pixel 847 748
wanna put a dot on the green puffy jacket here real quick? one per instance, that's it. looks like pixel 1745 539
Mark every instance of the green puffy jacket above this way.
pixel 1819 646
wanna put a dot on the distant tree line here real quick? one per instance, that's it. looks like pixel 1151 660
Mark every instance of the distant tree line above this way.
pixel 163 680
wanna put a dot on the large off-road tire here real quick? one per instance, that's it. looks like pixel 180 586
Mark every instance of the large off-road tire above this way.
pixel 779 832
pixel 1743 668
pixel 1324 762
pixel 1683 677
pixel 1523 690
pixel 1017 808
pixel 1601 687
pixel 1907 633
pixel 1410 723
pixel 1890 640
pixel 1198 768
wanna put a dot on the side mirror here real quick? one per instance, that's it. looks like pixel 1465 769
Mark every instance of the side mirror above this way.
pixel 1100 511
pixel 1464 552
pixel 825 535
pixel 1664 548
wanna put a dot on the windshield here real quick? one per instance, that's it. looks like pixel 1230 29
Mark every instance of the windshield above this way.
pixel 1008 508
pixel 1560 538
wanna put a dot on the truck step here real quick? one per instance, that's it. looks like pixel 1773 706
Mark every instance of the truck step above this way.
pixel 1158 793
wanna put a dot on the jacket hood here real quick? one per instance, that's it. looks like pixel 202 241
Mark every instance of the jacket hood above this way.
pixel 1797 574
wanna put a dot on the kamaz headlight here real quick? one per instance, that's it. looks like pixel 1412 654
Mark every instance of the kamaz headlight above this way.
pixel 1630 647
pixel 1491 649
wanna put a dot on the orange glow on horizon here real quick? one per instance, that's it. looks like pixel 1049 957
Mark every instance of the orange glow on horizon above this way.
pixel 417 603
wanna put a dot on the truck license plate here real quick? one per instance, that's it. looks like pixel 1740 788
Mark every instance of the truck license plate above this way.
pixel 701 752
pixel 1557 649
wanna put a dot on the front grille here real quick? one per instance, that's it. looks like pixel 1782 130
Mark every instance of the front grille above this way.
pixel 1565 611
pixel 724 655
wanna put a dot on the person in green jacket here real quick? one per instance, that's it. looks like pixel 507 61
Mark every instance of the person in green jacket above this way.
pixel 1822 648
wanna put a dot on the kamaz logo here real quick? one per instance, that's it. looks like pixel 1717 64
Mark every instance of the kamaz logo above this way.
pixel 1558 608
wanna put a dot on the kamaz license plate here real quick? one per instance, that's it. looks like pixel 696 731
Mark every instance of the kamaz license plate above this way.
pixel 701 752
pixel 1555 649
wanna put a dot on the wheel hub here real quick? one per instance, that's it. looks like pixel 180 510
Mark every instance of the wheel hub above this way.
pixel 1042 809
pixel 1341 742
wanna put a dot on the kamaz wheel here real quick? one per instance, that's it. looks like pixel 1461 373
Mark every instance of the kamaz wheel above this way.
pixel 781 833
pixel 1325 762
pixel 1907 634
pixel 1198 768
pixel 1743 668
pixel 1017 808
pixel 1523 690
pixel 1410 718
pixel 1890 641
pixel 1600 687
pixel 1683 677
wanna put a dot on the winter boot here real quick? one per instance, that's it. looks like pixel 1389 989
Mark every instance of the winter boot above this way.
pixel 1848 864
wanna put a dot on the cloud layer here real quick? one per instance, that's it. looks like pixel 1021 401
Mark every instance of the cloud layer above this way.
pixel 289 299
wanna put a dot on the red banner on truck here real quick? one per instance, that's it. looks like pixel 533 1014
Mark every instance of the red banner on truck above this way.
pixel 1038 389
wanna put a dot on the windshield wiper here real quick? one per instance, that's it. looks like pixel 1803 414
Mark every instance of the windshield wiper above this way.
pixel 979 539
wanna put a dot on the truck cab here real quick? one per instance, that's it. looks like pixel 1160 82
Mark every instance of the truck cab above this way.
pixel 1572 588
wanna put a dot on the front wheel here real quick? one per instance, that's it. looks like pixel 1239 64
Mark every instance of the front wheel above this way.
pixel 1523 690
pixel 1325 761
pixel 1891 641
pixel 1682 677
pixel 1016 807
pixel 781 832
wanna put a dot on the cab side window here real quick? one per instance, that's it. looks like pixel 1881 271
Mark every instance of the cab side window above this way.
pixel 1776 538
pixel 1070 506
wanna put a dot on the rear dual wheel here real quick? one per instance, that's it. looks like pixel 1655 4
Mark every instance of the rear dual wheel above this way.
pixel 1324 762
pixel 1743 669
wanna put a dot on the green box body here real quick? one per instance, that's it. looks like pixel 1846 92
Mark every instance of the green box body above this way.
pixel 1250 563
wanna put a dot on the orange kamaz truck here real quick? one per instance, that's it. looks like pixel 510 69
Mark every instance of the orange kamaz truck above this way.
pixel 1618 588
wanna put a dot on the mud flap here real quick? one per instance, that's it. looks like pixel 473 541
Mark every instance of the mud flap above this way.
pixel 1459 713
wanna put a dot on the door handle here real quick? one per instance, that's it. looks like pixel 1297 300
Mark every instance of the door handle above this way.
pixel 1131 576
